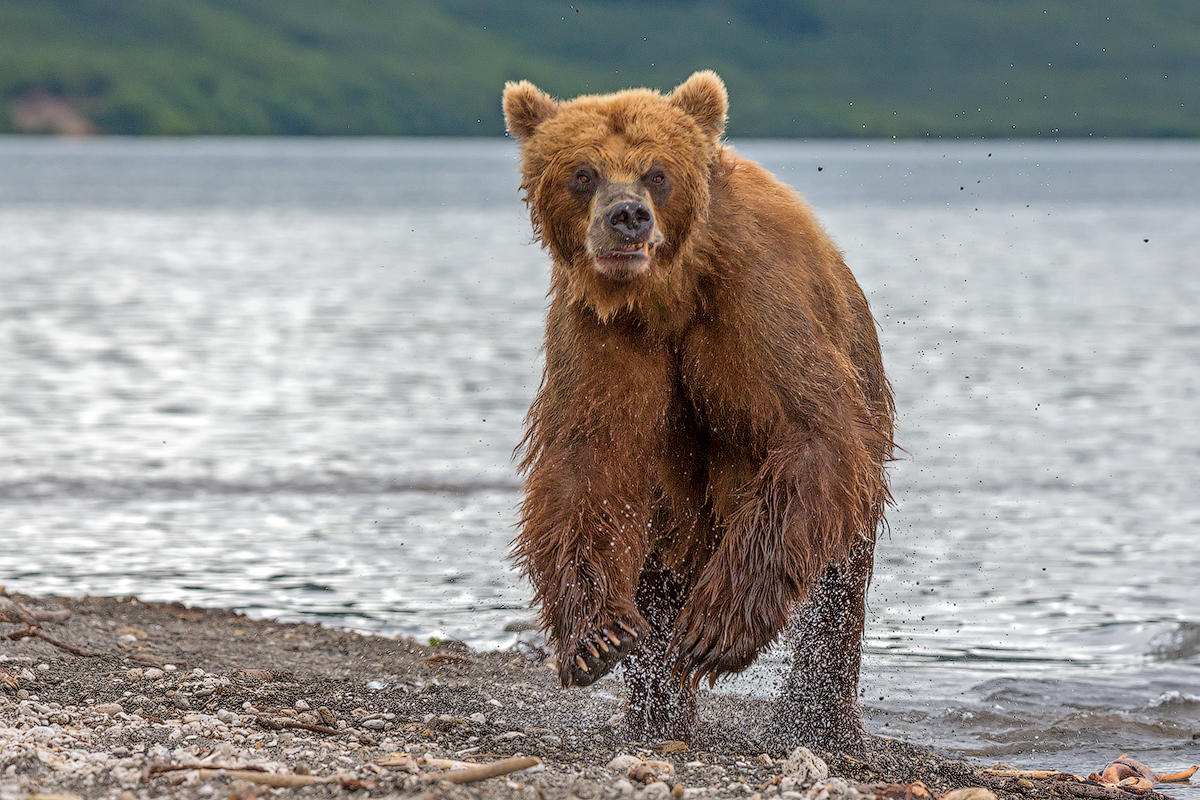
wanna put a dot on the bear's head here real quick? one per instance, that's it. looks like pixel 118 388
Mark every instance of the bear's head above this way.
pixel 616 184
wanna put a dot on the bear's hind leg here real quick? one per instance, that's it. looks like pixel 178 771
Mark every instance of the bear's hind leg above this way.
pixel 819 704
pixel 659 706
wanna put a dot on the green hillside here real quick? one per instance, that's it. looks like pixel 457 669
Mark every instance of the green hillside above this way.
pixel 794 68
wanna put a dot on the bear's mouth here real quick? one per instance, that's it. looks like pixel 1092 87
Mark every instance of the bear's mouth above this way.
pixel 625 262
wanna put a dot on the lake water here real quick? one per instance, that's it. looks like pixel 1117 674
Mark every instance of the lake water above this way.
pixel 286 376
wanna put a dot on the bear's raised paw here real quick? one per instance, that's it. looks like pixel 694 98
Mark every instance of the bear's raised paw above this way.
pixel 598 652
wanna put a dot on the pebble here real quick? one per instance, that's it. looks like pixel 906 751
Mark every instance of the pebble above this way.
pixel 108 708
pixel 373 724
pixel 480 718
pixel 43 667
pixel 153 674
pixel 969 793
pixel 656 791
pixel 804 767
pixel 623 762
pixel 650 771
pixel 832 789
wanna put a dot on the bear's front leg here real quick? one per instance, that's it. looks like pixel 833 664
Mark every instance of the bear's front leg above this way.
pixel 595 432
pixel 583 557
pixel 801 510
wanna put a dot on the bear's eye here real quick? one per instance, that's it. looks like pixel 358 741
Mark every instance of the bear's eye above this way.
pixel 583 178
pixel 658 179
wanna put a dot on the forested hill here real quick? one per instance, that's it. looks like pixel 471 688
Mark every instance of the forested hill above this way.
pixel 794 68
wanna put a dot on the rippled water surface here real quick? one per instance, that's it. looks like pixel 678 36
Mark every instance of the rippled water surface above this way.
pixel 286 376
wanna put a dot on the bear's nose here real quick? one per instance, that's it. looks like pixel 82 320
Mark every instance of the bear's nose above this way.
pixel 630 219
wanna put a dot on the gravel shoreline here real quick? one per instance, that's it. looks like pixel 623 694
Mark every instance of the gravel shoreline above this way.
pixel 200 703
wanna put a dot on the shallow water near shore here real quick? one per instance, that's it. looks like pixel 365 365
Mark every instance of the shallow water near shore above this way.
pixel 286 376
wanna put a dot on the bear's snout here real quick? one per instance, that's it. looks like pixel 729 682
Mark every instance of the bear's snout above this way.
pixel 623 233
pixel 630 220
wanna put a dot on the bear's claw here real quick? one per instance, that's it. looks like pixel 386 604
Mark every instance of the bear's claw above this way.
pixel 703 650
pixel 597 653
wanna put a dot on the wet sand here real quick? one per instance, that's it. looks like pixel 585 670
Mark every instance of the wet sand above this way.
pixel 166 700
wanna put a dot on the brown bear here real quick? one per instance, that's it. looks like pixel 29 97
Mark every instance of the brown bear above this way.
pixel 706 450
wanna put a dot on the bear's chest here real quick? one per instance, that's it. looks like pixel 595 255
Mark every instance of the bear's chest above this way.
pixel 719 388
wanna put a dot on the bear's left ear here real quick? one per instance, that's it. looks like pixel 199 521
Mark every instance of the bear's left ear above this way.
pixel 703 96
pixel 526 107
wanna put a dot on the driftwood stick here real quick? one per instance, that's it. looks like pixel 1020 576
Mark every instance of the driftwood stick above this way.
pixel 279 723
pixel 12 611
pixel 1065 784
pixel 158 769
pixel 485 771
pixel 444 763
pixel 1178 777
pixel 37 633
pixel 252 774
pixel 274 779
pixel 1095 790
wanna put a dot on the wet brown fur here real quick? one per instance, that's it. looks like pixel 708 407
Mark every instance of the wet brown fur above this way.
pixel 707 448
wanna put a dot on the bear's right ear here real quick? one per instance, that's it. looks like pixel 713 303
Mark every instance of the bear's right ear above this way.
pixel 526 107
pixel 704 98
